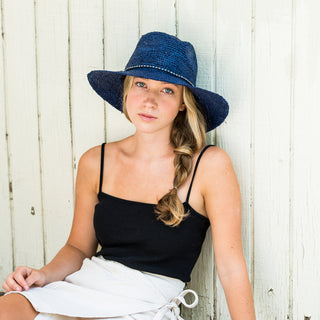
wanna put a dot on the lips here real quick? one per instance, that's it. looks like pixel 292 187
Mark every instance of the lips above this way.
pixel 147 117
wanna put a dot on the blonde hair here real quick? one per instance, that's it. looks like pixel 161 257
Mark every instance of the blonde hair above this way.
pixel 187 137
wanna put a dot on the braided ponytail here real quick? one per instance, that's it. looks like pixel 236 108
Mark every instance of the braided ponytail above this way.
pixel 187 137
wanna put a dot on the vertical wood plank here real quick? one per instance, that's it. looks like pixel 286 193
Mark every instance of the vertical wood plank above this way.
pixel 6 253
pixel 272 158
pixel 121 36
pixel 53 100
pixel 306 171
pixel 157 15
pixel 233 81
pixel 86 54
pixel 22 116
pixel 43 80
pixel 195 24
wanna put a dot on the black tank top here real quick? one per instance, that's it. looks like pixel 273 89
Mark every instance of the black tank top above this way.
pixel 129 233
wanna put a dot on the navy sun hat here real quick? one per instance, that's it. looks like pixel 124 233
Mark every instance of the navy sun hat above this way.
pixel 163 57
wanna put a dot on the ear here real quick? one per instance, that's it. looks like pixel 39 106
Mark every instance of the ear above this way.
pixel 182 107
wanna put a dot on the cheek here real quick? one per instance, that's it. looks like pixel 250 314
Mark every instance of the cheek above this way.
pixel 131 98
pixel 171 106
pixel 131 102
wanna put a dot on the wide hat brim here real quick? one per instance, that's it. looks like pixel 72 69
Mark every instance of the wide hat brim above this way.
pixel 109 86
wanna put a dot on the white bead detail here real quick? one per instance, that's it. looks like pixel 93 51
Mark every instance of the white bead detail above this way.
pixel 162 69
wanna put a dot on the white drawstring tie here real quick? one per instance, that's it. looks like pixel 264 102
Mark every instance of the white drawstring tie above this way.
pixel 173 306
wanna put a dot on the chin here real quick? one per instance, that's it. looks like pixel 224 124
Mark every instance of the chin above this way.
pixel 149 129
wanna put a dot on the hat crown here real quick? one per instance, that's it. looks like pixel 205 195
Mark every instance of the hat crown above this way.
pixel 165 52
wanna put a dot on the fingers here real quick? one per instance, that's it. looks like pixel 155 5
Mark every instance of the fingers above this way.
pixel 16 281
pixel 36 277
pixel 23 278
pixel 11 285
pixel 5 287
pixel 19 277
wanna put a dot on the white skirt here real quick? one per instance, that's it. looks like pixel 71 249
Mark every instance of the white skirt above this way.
pixel 104 289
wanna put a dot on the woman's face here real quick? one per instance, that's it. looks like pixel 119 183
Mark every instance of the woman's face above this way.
pixel 153 105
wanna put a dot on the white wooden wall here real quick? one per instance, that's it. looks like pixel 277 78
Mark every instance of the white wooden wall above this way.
pixel 263 56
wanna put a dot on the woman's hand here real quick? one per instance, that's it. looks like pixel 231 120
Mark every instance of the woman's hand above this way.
pixel 23 278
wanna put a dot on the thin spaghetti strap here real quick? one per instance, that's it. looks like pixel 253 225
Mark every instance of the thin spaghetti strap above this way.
pixel 195 170
pixel 101 166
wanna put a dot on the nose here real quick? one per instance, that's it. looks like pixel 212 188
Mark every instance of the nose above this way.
pixel 150 100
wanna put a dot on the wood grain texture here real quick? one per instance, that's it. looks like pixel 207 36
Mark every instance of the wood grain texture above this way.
pixel 121 23
pixel 306 170
pixel 6 250
pixel 272 87
pixel 234 81
pixel 262 56
pixel 54 122
pixel 157 15
pixel 85 54
pixel 22 125
pixel 202 279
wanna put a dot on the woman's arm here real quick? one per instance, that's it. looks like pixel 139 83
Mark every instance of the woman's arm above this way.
pixel 81 243
pixel 223 205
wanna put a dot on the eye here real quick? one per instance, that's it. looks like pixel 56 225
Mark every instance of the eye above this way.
pixel 140 84
pixel 168 90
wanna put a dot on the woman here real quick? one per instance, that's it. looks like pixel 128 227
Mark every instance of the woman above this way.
pixel 155 201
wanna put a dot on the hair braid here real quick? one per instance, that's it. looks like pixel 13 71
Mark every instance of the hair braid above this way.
pixel 187 137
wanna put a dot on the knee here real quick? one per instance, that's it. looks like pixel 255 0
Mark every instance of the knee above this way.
pixel 14 306
pixel 4 308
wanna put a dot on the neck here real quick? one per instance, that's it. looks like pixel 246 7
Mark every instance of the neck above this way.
pixel 151 146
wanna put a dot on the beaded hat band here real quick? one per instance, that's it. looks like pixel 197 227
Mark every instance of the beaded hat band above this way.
pixel 163 57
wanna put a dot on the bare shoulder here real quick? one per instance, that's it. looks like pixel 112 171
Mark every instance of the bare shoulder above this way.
pixel 218 178
pixel 217 154
pixel 91 157
pixel 90 160
pixel 215 161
